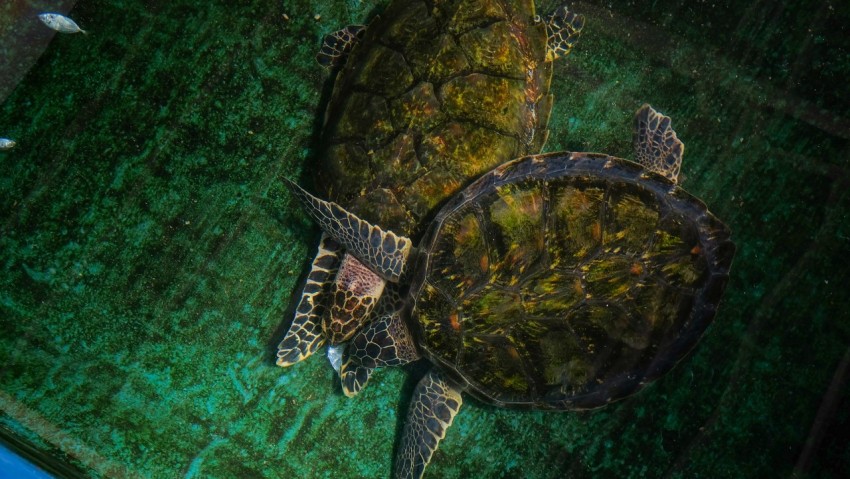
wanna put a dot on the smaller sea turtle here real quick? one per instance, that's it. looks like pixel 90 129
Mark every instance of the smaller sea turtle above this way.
pixel 559 281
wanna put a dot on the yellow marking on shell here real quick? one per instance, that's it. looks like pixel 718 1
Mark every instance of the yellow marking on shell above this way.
pixel 684 270
pixel 578 287
pixel 667 240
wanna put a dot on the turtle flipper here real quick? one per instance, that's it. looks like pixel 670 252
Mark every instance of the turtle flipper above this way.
pixel 657 148
pixel 433 406
pixel 305 334
pixel 383 342
pixel 337 45
pixel 383 252
pixel 563 28
pixel 353 376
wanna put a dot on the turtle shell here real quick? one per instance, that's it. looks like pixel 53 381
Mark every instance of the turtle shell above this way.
pixel 434 95
pixel 567 280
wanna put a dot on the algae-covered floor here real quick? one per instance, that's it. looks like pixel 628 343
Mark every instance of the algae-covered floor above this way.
pixel 150 253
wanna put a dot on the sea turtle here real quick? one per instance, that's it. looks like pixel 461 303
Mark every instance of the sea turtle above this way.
pixel 559 281
pixel 431 96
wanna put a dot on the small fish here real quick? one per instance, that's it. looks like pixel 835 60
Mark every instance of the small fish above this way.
pixel 60 23
pixel 335 356
pixel 6 144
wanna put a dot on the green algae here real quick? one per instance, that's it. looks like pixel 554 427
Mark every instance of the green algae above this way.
pixel 150 253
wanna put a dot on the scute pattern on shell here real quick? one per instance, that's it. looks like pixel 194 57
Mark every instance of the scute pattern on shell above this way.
pixel 433 95
pixel 566 281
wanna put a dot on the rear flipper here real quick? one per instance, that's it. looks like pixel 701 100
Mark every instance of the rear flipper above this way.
pixel 337 45
pixel 305 334
pixel 563 28
pixel 383 342
pixel 657 148
pixel 433 406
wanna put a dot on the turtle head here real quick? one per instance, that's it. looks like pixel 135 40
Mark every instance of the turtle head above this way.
pixel 373 257
pixel 354 294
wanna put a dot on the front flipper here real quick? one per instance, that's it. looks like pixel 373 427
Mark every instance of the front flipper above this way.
pixel 433 406
pixel 305 334
pixel 383 342
pixel 383 252
pixel 563 28
pixel 657 148
pixel 337 45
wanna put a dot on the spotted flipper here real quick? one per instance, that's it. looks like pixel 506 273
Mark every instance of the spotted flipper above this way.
pixel 383 252
pixel 657 148
pixel 563 28
pixel 305 334
pixel 353 377
pixel 433 406
pixel 383 342
pixel 337 45
pixel 353 374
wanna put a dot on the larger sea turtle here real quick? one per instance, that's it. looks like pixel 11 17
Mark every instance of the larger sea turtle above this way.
pixel 560 281
pixel 431 96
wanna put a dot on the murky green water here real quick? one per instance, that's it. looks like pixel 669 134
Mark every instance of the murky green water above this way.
pixel 150 253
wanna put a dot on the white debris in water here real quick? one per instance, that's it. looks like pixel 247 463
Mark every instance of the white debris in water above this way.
pixel 7 144
pixel 335 356
pixel 60 23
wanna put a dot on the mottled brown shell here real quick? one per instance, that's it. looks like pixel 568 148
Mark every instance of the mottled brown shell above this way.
pixel 566 281
pixel 434 95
